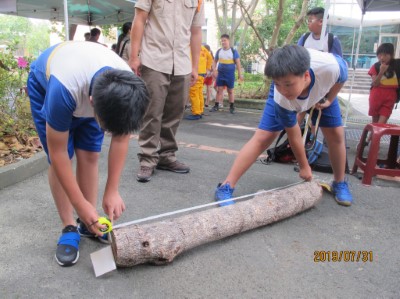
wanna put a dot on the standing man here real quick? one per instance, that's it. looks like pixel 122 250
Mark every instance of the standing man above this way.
pixel 168 36
pixel 311 39
pixel 227 58
pixel 95 35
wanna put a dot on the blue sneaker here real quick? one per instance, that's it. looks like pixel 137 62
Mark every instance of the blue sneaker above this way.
pixel 84 232
pixel 224 192
pixel 342 193
pixel 67 253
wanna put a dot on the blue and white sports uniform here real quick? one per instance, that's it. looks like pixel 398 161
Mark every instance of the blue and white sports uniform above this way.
pixel 59 86
pixel 226 67
pixel 326 69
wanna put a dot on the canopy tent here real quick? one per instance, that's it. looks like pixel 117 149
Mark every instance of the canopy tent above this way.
pixel 80 12
pixel 381 5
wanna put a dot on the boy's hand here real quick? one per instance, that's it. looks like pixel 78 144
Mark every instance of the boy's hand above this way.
pixel 215 74
pixel 88 215
pixel 113 205
pixel 241 78
pixel 323 105
pixel 383 68
pixel 305 173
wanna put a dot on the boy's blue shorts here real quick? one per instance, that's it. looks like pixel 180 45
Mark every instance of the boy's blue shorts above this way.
pixel 84 133
pixel 330 118
pixel 226 79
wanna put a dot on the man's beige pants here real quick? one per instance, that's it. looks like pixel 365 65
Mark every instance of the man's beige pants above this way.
pixel 168 95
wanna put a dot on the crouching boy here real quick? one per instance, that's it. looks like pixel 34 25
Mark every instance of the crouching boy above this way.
pixel 301 78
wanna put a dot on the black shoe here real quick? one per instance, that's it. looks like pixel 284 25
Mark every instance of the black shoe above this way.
pixel 232 109
pixel 67 253
pixel 214 108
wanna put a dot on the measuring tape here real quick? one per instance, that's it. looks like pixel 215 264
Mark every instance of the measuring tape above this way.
pixel 105 221
pixel 203 206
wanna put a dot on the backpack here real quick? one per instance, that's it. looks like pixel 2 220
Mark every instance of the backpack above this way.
pixel 316 151
pixel 323 163
pixel 282 151
pixel 396 66
pixel 330 40
pixel 123 47
pixel 217 54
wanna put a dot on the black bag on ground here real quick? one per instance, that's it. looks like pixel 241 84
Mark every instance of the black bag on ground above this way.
pixel 316 151
pixel 281 152
pixel 323 164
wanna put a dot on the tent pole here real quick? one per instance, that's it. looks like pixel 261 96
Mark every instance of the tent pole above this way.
pixel 354 68
pixel 66 24
pixel 324 24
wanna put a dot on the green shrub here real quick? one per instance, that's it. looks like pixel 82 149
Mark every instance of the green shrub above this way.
pixel 254 86
pixel 15 114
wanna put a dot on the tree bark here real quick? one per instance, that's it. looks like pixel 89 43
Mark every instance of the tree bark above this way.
pixel 279 20
pixel 160 242
pixel 298 23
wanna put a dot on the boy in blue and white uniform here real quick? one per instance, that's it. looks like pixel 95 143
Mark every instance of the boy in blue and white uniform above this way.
pixel 301 77
pixel 74 87
pixel 228 60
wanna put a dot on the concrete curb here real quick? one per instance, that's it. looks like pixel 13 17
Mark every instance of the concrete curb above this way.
pixel 247 103
pixel 17 172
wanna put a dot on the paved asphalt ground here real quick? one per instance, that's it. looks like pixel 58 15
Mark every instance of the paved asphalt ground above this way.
pixel 276 261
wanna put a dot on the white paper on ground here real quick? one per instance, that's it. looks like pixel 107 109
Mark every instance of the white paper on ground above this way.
pixel 103 261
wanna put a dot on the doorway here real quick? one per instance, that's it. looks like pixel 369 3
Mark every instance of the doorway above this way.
pixel 393 39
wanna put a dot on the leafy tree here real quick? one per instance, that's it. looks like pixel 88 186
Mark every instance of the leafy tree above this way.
pixel 275 23
pixel 39 39
pixel 13 28
pixel 27 38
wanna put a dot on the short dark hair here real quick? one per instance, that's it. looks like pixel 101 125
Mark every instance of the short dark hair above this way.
pixel 126 27
pixel 120 99
pixel 225 36
pixel 95 32
pixel 290 59
pixel 385 48
pixel 316 11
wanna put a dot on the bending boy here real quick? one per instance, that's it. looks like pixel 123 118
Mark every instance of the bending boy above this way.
pixel 300 78
pixel 77 90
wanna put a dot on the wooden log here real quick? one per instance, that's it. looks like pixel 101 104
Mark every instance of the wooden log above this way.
pixel 160 242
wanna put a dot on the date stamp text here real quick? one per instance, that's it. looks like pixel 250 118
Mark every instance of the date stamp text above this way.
pixel 321 256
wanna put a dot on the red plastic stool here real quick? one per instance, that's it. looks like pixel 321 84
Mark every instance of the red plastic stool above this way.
pixel 370 163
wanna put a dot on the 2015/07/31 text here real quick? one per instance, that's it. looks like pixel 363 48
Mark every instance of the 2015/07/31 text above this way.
pixel 343 256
